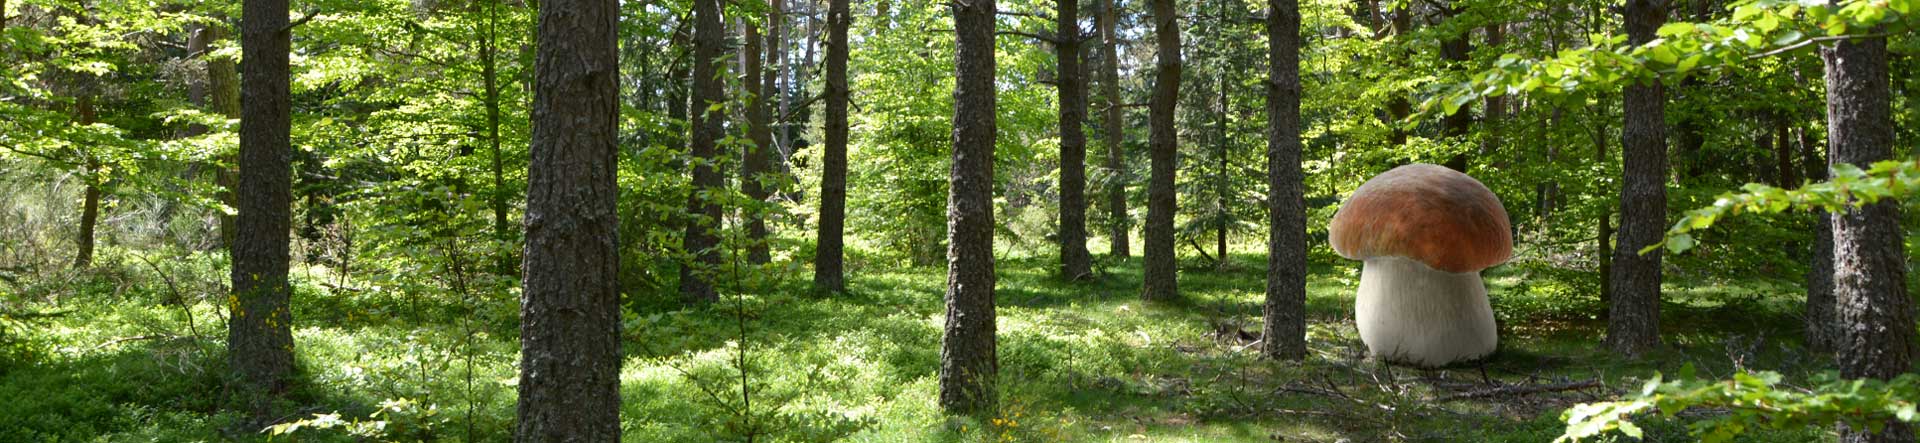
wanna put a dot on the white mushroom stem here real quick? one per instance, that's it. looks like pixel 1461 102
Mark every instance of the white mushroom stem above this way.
pixel 1409 312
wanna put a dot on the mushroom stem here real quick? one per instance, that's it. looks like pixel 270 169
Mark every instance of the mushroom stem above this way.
pixel 1411 313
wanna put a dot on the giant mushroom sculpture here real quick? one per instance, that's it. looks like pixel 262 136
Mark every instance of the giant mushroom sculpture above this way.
pixel 1424 233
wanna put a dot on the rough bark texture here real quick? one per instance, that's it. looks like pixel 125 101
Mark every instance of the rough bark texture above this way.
pixel 969 365
pixel 84 115
pixel 1633 325
pixel 700 241
pixel 757 161
pixel 1075 261
pixel 1285 333
pixel 1869 268
pixel 570 305
pixel 1163 150
pixel 259 332
pixel 1822 331
pixel 1113 135
pixel 829 267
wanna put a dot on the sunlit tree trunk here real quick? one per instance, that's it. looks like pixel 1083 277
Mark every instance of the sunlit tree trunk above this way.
pixel 1163 151
pixel 260 333
pixel 829 273
pixel 701 241
pixel 1870 269
pixel 1113 135
pixel 1633 325
pixel 85 115
pixel 969 365
pixel 1285 333
pixel 569 383
pixel 1075 262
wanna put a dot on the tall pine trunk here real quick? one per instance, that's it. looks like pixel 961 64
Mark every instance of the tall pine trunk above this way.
pixel 259 332
pixel 829 267
pixel 570 305
pixel 1163 150
pixel 701 240
pixel 969 365
pixel 1075 262
pixel 1869 269
pixel 1285 334
pixel 757 163
pixel 1113 135
pixel 1633 325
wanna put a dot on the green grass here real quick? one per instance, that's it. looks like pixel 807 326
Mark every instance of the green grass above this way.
pixel 1082 361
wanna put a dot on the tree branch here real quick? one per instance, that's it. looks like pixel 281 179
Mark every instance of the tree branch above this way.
pixel 1811 42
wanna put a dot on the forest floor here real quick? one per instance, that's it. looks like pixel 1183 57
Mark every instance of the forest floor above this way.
pixel 1078 362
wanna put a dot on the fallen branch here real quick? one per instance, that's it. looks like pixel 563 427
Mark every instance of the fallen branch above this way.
pixel 1520 390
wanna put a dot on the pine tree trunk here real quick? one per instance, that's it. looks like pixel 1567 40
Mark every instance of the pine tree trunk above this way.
pixel 1870 270
pixel 490 76
pixel 1285 334
pixel 969 365
pixel 1456 50
pixel 1163 150
pixel 757 162
pixel 1075 261
pixel 701 241
pixel 260 333
pixel 570 306
pixel 1113 135
pixel 1633 326
pixel 1822 332
pixel 829 268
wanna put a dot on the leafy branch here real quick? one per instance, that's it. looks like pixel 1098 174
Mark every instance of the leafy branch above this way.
pixel 1751 401
pixel 1849 187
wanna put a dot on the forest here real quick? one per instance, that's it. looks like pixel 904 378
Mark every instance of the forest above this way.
pixel 959 220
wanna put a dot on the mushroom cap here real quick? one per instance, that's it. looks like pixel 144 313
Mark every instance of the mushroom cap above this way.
pixel 1424 212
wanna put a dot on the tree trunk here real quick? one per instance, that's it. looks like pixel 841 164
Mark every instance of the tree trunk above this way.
pixel 1220 152
pixel 223 85
pixel 1822 331
pixel 1783 153
pixel 1113 134
pixel 969 365
pixel 781 84
pixel 757 162
pixel 1496 112
pixel 829 273
pixel 1400 107
pixel 1870 270
pixel 570 305
pixel 84 115
pixel 701 241
pixel 1633 325
pixel 1075 262
pixel 1456 50
pixel 1285 334
pixel 260 333
pixel 490 76
pixel 1163 150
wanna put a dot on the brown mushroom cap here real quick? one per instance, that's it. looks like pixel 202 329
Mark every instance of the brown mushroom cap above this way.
pixel 1424 212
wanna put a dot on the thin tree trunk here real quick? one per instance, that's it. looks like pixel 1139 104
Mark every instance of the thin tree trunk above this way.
pixel 1823 333
pixel 1285 334
pixel 829 273
pixel 1400 107
pixel 1220 180
pixel 260 333
pixel 775 90
pixel 1870 270
pixel 757 162
pixel 84 115
pixel 490 76
pixel 1633 326
pixel 701 241
pixel 1496 112
pixel 570 306
pixel 1783 153
pixel 969 365
pixel 1113 135
pixel 1456 50
pixel 1163 149
pixel 1075 261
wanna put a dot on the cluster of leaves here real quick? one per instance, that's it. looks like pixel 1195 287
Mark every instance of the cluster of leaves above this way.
pixel 1751 401
pixel 1756 29
pixel 1849 187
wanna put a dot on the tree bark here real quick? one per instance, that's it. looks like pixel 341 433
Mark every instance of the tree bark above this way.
pixel 223 85
pixel 1870 271
pixel 701 241
pixel 1113 135
pixel 1822 331
pixel 1285 334
pixel 1400 107
pixel 490 76
pixel 84 115
pixel 829 273
pixel 1633 325
pixel 570 305
pixel 1456 50
pixel 260 333
pixel 1075 262
pixel 969 365
pixel 1495 115
pixel 757 162
pixel 1163 150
